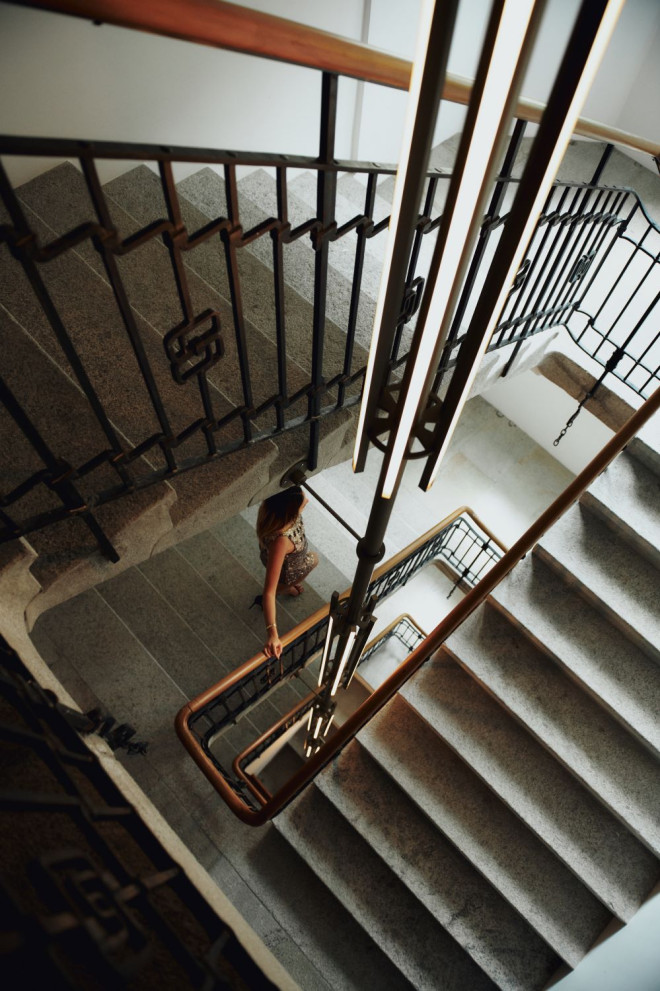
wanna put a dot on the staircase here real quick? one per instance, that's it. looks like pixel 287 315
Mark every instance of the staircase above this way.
pixel 500 813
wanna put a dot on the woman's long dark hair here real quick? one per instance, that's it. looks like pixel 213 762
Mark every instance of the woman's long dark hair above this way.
pixel 278 512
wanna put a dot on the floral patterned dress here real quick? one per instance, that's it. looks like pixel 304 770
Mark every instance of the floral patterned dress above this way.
pixel 297 563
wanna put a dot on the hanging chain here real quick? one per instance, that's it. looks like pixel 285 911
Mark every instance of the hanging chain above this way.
pixel 614 360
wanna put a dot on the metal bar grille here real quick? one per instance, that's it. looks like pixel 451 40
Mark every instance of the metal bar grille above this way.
pixel 591 267
pixel 90 899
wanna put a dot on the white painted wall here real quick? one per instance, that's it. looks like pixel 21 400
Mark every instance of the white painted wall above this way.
pixel 540 408
pixel 62 76
pixel 627 961
pixel 639 108
pixel 624 94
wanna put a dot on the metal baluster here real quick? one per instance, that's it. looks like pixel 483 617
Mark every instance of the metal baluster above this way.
pixel 420 232
pixel 104 246
pixel 172 240
pixel 278 278
pixel 58 472
pixel 622 227
pixel 230 241
pixel 325 211
pixel 23 256
pixel 494 208
pixel 358 267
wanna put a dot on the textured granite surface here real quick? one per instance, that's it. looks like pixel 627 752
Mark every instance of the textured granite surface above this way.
pixel 615 866
pixel 489 835
pixel 376 898
pixel 205 191
pixel 568 721
pixel 627 498
pixel 609 572
pixel 461 900
pixel 586 644
pixel 59 196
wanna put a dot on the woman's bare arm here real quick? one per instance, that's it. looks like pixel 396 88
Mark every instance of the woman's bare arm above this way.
pixel 276 554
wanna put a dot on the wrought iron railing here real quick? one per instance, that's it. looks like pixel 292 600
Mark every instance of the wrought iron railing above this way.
pixel 244 765
pixel 200 390
pixel 92 898
pixel 461 542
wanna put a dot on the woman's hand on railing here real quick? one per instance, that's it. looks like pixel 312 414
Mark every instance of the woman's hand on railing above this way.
pixel 273 646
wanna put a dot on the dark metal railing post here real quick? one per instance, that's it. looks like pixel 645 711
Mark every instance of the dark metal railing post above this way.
pixel 325 210
pixel 494 208
pixel 233 275
pixel 278 285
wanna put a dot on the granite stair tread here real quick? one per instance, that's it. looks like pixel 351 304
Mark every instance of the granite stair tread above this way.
pixel 612 863
pixel 302 206
pixel 609 572
pixel 52 402
pixel 132 683
pixel 515 862
pixel 59 196
pixel 627 497
pixel 203 197
pixel 569 723
pixel 404 930
pixel 586 645
pixel 462 901
pixel 646 445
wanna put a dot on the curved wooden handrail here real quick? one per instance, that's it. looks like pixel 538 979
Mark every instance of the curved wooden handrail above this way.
pixel 225 25
pixel 250 666
pixel 255 786
pixel 382 695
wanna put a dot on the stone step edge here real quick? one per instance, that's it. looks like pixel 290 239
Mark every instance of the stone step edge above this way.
pixel 571 673
pixel 565 571
pixel 291 836
pixel 620 527
pixel 509 897
pixel 571 770
pixel 611 904
pixel 482 960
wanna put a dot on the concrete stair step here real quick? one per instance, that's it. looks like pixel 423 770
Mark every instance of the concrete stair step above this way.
pixel 499 845
pixel 608 572
pixel 68 558
pixel 133 684
pixel 257 198
pixel 202 197
pixel 266 880
pixel 58 195
pixel 612 863
pixel 645 447
pixel 627 498
pixel 595 748
pixel 302 206
pixel 586 645
pixel 403 929
pixel 459 898
pixel 205 192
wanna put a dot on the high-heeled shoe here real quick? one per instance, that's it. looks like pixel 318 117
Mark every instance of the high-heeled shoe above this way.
pixel 258 601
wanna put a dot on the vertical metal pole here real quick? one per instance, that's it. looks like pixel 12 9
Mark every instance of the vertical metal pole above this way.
pixel 484 235
pixel 325 211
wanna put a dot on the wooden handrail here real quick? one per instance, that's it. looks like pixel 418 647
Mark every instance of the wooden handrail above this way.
pixel 254 784
pixel 472 600
pixel 205 764
pixel 225 25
